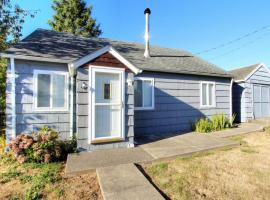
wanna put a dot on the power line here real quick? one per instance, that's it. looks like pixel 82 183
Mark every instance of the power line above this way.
pixel 234 40
pixel 240 47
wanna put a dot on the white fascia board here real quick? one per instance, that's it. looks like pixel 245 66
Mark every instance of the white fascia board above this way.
pixel 98 53
pixel 33 58
pixel 258 67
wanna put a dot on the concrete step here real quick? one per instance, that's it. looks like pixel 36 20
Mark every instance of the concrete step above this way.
pixel 125 182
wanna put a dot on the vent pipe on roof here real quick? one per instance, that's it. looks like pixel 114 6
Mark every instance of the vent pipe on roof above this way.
pixel 147 13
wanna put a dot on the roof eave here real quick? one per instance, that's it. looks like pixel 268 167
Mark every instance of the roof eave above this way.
pixel 34 58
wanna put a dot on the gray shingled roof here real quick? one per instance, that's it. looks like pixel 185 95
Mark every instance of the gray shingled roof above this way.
pixel 51 44
pixel 243 72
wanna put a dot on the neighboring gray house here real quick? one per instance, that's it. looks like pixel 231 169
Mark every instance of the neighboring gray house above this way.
pixel 251 95
pixel 106 91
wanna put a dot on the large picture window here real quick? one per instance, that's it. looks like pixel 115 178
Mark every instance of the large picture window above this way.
pixel 51 90
pixel 208 95
pixel 144 93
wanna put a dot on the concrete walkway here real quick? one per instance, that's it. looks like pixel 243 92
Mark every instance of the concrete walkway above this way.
pixel 125 182
pixel 166 148
pixel 88 161
pixel 243 128
pixel 120 179
pixel 185 144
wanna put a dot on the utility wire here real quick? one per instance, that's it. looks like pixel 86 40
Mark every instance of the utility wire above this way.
pixel 234 40
pixel 240 47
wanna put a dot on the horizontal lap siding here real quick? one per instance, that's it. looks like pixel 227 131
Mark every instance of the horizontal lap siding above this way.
pixel 82 108
pixel 177 103
pixel 27 119
pixel 261 77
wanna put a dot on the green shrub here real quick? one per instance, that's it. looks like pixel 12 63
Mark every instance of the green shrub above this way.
pixel 204 125
pixel 42 146
pixel 216 123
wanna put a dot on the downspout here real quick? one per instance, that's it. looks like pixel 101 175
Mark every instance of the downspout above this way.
pixel 72 73
pixel 231 100
pixel 13 98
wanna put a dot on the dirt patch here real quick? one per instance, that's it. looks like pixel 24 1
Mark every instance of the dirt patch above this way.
pixel 84 187
pixel 45 181
pixel 232 173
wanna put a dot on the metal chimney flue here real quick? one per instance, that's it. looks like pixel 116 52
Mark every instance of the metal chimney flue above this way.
pixel 147 13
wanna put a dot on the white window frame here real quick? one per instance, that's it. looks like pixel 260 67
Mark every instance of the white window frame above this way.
pixel 35 92
pixel 207 92
pixel 91 112
pixel 153 93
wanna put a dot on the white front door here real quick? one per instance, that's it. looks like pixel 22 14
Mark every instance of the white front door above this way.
pixel 107 95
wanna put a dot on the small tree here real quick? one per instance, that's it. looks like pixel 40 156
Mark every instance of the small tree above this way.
pixel 11 20
pixel 73 16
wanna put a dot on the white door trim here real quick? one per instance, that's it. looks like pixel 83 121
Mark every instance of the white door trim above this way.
pixel 91 97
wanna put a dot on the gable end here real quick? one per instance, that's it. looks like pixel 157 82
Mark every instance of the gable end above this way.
pixel 107 60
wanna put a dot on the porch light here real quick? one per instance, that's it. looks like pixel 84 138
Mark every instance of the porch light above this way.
pixel 130 82
pixel 84 86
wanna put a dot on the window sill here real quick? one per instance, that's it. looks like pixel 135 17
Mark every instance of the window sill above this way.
pixel 202 107
pixel 51 110
pixel 106 140
pixel 144 108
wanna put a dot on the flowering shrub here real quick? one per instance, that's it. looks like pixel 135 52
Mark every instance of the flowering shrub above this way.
pixel 41 146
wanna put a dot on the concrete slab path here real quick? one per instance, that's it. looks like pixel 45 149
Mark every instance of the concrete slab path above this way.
pixel 125 182
pixel 83 162
pixel 166 148
pixel 185 144
pixel 243 128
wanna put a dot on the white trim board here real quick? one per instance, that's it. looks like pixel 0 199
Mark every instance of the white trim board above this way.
pixel 253 71
pixel 153 93
pixel 35 91
pixel 91 98
pixel 13 97
pixel 207 92
pixel 98 53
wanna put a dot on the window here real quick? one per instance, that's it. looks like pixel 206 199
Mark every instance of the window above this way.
pixel 144 93
pixel 208 94
pixel 51 90
pixel 107 90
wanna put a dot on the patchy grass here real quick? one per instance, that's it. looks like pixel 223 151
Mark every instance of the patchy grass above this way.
pixel 43 181
pixel 241 172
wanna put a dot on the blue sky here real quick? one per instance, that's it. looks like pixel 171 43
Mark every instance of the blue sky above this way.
pixel 185 24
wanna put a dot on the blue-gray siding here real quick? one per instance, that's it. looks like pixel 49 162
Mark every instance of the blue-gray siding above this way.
pixel 177 103
pixel 27 119
pixel 83 109
pixel 260 77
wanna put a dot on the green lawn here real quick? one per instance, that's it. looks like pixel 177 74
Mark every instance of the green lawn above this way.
pixel 230 173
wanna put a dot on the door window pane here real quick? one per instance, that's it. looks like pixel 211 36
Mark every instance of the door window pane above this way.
pixel 147 94
pixel 58 94
pixel 43 87
pixel 138 93
pixel 107 90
